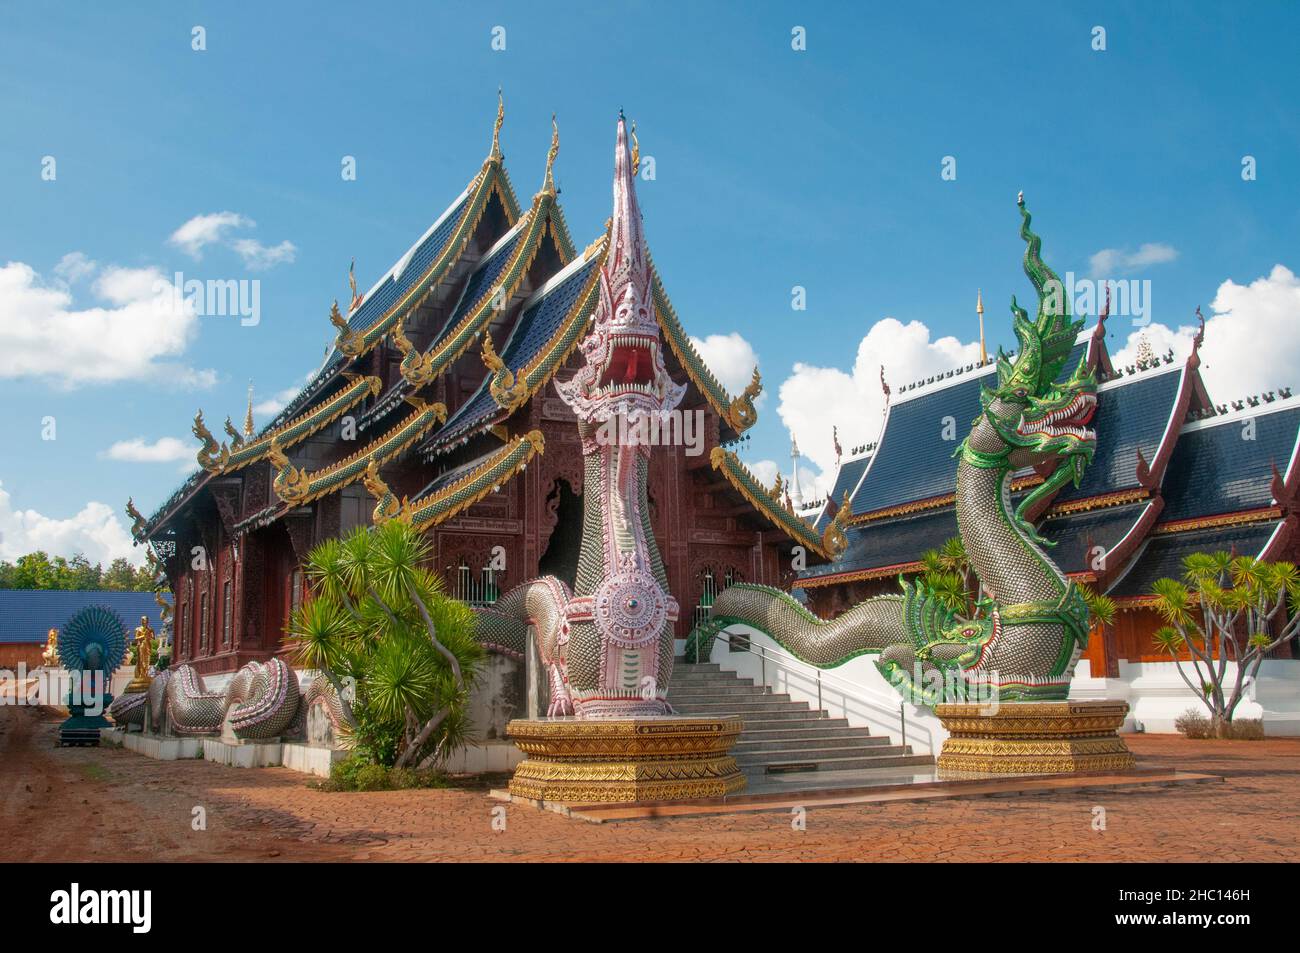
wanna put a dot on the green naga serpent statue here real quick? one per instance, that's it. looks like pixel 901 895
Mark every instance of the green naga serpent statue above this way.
pixel 1032 622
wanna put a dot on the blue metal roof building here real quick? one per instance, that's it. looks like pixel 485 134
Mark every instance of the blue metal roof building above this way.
pixel 27 615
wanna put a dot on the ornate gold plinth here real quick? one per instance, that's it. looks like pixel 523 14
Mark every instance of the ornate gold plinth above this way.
pixel 625 759
pixel 1034 738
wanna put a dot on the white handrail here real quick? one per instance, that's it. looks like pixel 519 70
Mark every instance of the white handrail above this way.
pixel 848 688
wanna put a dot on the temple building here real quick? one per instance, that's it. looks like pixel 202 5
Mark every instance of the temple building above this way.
pixel 1174 473
pixel 437 400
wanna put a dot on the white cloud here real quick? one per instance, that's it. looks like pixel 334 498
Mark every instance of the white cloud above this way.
pixel 259 257
pixel 215 229
pixel 731 359
pixel 136 333
pixel 1116 261
pixel 273 405
pixel 1251 343
pixel 162 450
pixel 74 267
pixel 815 399
pixel 95 531
pixel 765 470
pixel 203 230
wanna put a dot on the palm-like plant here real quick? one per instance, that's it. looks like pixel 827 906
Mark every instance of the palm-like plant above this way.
pixel 378 617
pixel 1225 608
pixel 948 573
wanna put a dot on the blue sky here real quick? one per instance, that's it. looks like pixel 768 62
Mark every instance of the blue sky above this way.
pixel 774 168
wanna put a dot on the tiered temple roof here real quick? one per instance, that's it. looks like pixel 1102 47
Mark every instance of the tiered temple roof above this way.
pixel 432 364
pixel 1233 484
pixel 902 494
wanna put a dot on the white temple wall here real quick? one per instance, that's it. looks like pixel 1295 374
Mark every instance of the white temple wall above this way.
pixel 1157 695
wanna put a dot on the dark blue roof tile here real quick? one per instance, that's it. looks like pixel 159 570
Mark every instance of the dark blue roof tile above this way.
pixel 891 542
pixel 1076 533
pixel 534 329
pixel 1132 415
pixel 1227 466
pixel 483 278
pixel 413 265
pixel 914 458
pixel 1162 556
pixel 27 615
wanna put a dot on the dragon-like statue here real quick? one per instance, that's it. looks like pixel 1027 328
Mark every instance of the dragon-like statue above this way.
pixel 212 456
pixel 261 701
pixel 607 645
pixel 1032 621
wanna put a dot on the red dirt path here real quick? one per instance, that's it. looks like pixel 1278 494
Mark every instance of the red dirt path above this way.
pixel 141 809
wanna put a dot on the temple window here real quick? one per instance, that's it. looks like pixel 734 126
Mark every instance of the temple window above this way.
pixel 227 612
pixel 203 621
pixel 478 587
pixel 711 583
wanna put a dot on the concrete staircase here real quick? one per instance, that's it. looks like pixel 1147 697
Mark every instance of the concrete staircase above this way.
pixel 782 736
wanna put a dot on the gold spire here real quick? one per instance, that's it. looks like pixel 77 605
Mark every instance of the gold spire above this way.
pixel 496 127
pixel 548 183
pixel 248 417
pixel 636 150
pixel 979 309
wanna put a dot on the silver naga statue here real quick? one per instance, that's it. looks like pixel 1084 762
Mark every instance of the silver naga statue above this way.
pixel 607 645
pixel 1032 622
pixel 260 703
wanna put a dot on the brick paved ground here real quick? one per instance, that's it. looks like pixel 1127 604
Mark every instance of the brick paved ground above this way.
pixel 141 809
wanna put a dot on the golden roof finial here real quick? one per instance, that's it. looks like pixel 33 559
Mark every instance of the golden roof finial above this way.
pixel 248 417
pixel 979 309
pixel 548 183
pixel 636 150
pixel 352 283
pixel 496 127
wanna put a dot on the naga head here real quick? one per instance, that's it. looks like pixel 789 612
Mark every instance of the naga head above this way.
pixel 624 373
pixel 1030 416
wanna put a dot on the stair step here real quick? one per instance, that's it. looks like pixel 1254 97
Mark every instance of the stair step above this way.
pixel 766 717
pixel 819 755
pixel 842 764
pixel 790 719
pixel 720 688
pixel 816 742
pixel 820 728
pixel 745 709
pixel 781 735
pixel 695 684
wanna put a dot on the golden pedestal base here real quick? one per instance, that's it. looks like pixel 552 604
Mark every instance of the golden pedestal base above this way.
pixel 138 685
pixel 671 758
pixel 1033 738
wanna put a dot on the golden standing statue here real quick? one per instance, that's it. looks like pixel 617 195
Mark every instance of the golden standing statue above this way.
pixel 143 651
pixel 50 657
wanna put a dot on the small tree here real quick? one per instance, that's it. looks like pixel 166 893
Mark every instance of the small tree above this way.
pixel 1227 608
pixel 377 619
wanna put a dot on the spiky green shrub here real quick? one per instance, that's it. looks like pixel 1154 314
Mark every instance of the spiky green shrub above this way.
pixel 399 651
pixel 947 572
